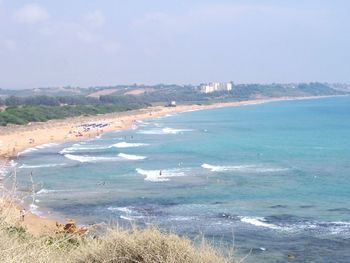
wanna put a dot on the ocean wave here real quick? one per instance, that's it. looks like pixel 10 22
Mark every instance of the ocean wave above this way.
pixel 79 148
pixel 5 167
pixel 36 148
pixel 35 209
pixel 128 145
pixel 120 209
pixel 243 168
pixel 91 159
pixel 294 224
pixel 26 166
pixel 126 218
pixel 154 175
pixel 183 218
pixel 29 150
pixel 165 130
pixel 258 221
pixel 142 123
pixel 47 145
pixel 131 156
pixel 44 191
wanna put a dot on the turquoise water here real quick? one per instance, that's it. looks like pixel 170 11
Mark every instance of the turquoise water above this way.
pixel 273 177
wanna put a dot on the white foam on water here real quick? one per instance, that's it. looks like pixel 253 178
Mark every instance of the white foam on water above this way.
pixel 5 168
pixel 35 209
pixel 165 130
pixel 334 228
pixel 183 218
pixel 142 123
pixel 340 227
pixel 131 156
pixel 258 221
pixel 168 115
pixel 81 148
pixel 29 150
pixel 242 168
pixel 120 209
pixel 47 145
pixel 128 145
pixel 91 159
pixel 26 166
pixel 12 163
pixel 44 191
pixel 126 218
pixel 155 176
pixel 36 148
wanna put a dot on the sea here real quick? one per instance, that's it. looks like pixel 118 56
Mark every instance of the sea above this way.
pixel 270 181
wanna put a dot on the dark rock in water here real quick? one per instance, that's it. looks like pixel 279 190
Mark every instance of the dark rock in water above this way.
pixel 341 209
pixel 279 206
pixel 306 206
pixel 228 216
pixel 217 203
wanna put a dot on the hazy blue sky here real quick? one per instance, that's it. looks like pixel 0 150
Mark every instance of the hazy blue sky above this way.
pixel 86 43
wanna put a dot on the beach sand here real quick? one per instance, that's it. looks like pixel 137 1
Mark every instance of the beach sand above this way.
pixel 15 139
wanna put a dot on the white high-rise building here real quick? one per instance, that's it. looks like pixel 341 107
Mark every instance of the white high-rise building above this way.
pixel 216 86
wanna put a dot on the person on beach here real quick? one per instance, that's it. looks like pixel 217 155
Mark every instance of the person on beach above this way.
pixel 22 213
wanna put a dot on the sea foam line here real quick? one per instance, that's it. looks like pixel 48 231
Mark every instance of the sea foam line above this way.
pixel 131 156
pixel 161 175
pixel 90 159
pixel 128 145
pixel 36 148
pixel 165 130
pixel 27 166
pixel 242 168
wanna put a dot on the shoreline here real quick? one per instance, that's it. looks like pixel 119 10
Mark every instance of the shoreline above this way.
pixel 17 138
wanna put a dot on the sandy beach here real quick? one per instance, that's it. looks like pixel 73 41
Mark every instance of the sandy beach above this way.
pixel 18 138
pixel 15 139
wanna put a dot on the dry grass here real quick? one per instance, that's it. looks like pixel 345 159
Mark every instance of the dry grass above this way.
pixel 116 245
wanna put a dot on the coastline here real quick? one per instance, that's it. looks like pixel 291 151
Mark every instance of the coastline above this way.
pixel 15 139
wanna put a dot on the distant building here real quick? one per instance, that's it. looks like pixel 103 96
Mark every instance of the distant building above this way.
pixel 171 104
pixel 216 86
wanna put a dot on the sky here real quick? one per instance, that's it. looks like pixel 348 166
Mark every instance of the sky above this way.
pixel 94 43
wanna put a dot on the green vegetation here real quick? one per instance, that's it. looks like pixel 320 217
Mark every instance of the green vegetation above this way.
pixel 29 108
pixel 26 114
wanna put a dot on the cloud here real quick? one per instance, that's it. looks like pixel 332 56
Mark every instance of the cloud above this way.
pixel 95 18
pixel 31 14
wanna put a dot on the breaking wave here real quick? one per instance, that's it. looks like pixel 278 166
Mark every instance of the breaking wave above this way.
pixel 294 224
pixel 90 159
pixel 128 145
pixel 258 221
pixel 120 209
pixel 36 148
pixel 25 166
pixel 243 168
pixel 165 130
pixel 44 191
pixel 131 157
pixel 82 148
pixel 161 175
